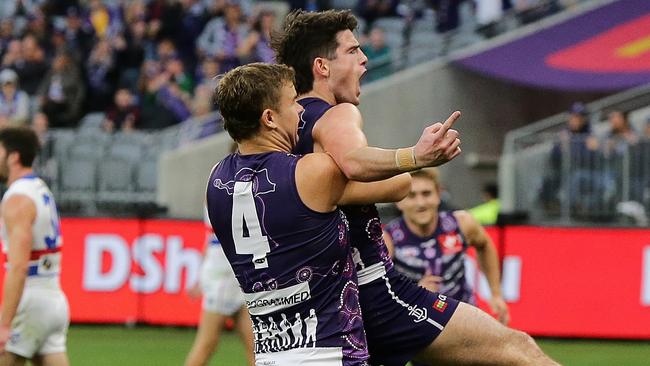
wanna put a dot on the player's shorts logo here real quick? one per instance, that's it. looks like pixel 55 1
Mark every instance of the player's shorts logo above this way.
pixel 418 314
pixel 440 304
pixel 14 338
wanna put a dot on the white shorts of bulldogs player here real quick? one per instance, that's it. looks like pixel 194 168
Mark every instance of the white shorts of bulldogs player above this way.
pixel 41 323
pixel 221 291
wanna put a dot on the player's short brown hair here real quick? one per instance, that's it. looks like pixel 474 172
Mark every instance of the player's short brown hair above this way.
pixel 428 173
pixel 304 36
pixel 22 140
pixel 246 91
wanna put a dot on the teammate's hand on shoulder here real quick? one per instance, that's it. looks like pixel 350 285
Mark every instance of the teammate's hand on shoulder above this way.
pixel 438 143
pixel 431 282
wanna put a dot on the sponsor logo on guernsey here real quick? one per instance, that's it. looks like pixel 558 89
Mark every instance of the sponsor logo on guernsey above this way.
pixel 265 302
pixel 441 303
pixel 450 243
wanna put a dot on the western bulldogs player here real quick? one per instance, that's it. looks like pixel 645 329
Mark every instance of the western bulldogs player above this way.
pixel 222 298
pixel 35 315
pixel 276 217
pixel 402 320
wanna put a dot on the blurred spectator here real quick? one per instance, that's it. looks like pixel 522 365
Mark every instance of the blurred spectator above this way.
pixel 62 92
pixel 44 164
pixel 124 114
pixel 202 101
pixel 622 150
pixel 6 33
pixel 488 212
pixel 380 61
pixel 257 46
pixel 99 18
pixel 38 27
pixel 130 52
pixel 164 102
pixel 222 37
pixel 621 134
pixel 14 103
pixel 79 35
pixel 57 40
pixel 161 18
pixel 176 69
pixel 41 126
pixel 577 152
pixel 191 22
pixel 209 70
pixel 166 51
pixel 29 63
pixel 175 100
pixel 13 53
pixel 640 167
pixel 101 74
pixel 371 10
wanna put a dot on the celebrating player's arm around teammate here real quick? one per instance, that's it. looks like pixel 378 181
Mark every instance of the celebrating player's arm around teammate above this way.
pixel 429 246
pixel 276 217
pixel 35 316
pixel 402 320
pixel 222 298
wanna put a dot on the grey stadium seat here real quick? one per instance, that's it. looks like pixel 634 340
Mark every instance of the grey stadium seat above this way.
pixel 115 180
pixel 78 182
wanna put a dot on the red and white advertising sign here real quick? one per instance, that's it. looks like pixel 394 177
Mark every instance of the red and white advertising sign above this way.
pixel 117 271
pixel 563 282
pixel 577 282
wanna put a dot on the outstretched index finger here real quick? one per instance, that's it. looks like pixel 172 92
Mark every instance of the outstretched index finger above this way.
pixel 448 123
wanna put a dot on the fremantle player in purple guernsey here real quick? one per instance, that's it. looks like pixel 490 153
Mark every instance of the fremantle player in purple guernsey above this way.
pixel 402 320
pixel 276 217
pixel 429 246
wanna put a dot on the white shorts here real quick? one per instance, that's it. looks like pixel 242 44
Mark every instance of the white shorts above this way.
pixel 221 291
pixel 41 323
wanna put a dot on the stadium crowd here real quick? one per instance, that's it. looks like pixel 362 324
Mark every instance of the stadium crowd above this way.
pixel 145 65
pixel 148 64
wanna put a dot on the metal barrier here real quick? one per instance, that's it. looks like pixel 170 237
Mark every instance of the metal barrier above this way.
pixel 557 178
pixel 585 178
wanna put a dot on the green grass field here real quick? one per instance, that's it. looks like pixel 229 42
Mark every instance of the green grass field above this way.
pixel 161 346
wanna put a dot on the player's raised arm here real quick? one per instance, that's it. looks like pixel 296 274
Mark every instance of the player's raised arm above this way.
pixel 322 186
pixel 339 132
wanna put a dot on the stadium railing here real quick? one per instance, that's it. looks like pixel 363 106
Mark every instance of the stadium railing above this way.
pixel 608 184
